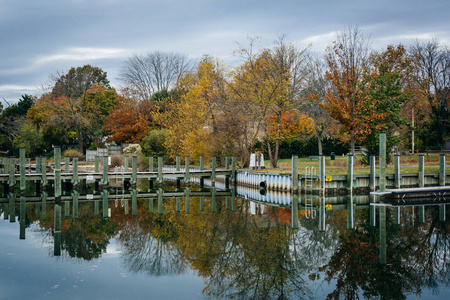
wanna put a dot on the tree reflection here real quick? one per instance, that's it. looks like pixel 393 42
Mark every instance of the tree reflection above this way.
pixel 418 256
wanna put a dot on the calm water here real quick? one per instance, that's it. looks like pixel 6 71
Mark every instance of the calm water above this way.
pixel 226 247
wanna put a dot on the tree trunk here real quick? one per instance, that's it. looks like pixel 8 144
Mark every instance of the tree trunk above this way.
pixel 352 141
pixel 80 140
pixel 269 150
pixel 319 143
pixel 275 158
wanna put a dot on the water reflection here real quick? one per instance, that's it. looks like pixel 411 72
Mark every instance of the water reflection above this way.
pixel 344 247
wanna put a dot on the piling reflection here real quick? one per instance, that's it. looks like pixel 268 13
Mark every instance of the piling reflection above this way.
pixel 252 249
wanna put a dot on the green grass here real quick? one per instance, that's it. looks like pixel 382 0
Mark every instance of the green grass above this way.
pixel 408 164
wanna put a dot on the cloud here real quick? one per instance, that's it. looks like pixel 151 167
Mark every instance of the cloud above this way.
pixel 83 54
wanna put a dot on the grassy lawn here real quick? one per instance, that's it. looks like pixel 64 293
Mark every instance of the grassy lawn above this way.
pixel 408 164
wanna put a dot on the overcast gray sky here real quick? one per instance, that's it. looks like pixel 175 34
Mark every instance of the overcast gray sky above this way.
pixel 39 37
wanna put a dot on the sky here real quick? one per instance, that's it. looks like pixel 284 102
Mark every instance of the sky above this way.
pixel 39 38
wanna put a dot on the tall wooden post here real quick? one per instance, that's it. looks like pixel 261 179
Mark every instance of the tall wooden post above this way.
pixel 22 170
pixel 372 178
pixel 160 201
pixel 397 171
pixel 134 170
pixel 160 167
pixel 105 179
pixel 125 163
pixel 12 172
pixel 233 170
pixel 201 163
pixel 44 171
pixel 421 170
pixel 38 165
pixel 75 180
pixel 177 163
pixel 383 161
pixel 105 203
pixel 96 168
pixel 66 164
pixel 442 169
pixel 213 170
pixel 57 154
pixel 350 163
pixel 186 170
pixel 294 176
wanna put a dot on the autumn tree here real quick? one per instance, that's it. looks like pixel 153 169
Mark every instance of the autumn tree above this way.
pixel 69 106
pixel 195 119
pixel 153 72
pixel 267 84
pixel 128 121
pixel 347 61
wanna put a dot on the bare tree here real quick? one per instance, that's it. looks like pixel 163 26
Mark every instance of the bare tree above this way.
pixel 312 98
pixel 147 74
pixel 433 76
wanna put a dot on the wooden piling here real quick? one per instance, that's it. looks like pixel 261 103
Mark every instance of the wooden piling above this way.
pixel 125 163
pixel 12 207
pixel 213 200
pixel 22 170
pixel 421 170
pixel 96 168
pixel 294 176
pixel 160 201
pixel 66 164
pixel 350 163
pixel 442 169
pixel 186 172
pixel 105 180
pixel 294 211
pixel 372 180
pixel 12 172
pixel 177 163
pixel 44 205
pixel 134 208
pixel 397 175
pixel 44 181
pixel 382 161
pixel 178 204
pixel 75 180
pixel 57 231
pixel 75 196
pixel 233 170
pixel 213 170
pixel 134 170
pixel 57 154
pixel 150 205
pixel 105 203
pixel 22 217
pixel 187 201
pixel 160 167
pixel 383 235
pixel 38 165
pixel 201 163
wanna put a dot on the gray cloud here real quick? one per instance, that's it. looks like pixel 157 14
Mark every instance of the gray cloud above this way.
pixel 41 37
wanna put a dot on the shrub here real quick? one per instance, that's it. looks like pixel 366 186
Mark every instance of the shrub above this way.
pixel 117 161
pixel 73 152
pixel 132 149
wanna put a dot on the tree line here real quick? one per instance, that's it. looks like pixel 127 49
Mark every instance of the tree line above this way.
pixel 171 104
